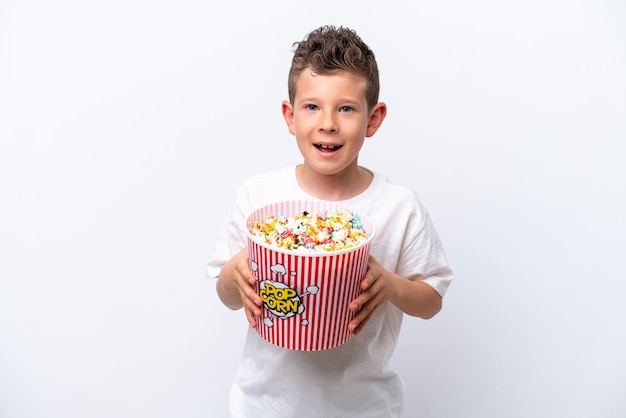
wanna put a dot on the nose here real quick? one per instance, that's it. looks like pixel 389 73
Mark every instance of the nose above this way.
pixel 328 122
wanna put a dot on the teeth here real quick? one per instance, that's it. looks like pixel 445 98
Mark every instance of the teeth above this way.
pixel 328 146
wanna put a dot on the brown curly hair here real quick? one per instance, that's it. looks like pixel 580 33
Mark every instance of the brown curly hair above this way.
pixel 328 49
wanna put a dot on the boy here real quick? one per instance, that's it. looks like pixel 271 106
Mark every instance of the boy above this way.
pixel 333 106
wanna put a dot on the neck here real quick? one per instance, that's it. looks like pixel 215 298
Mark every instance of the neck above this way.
pixel 335 187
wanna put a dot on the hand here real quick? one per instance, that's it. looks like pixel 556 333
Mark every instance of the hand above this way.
pixel 413 297
pixel 375 287
pixel 235 287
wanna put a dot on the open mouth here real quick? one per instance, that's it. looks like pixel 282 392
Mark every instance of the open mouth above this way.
pixel 327 148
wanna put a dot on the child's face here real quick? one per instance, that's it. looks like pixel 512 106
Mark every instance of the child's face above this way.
pixel 330 120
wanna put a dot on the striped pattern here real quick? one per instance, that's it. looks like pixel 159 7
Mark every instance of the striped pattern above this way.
pixel 325 283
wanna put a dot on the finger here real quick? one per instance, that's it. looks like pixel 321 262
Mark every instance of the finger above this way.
pixel 357 324
pixel 362 324
pixel 246 274
pixel 251 301
pixel 363 298
pixel 365 312
pixel 250 294
pixel 251 317
pixel 367 309
pixel 372 276
pixel 359 301
pixel 367 280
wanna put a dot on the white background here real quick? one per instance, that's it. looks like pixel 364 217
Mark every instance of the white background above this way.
pixel 126 125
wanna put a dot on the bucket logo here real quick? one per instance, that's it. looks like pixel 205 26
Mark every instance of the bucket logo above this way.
pixel 278 298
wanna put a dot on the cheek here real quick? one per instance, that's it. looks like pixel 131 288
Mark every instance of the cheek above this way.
pixel 358 130
pixel 297 125
pixel 303 125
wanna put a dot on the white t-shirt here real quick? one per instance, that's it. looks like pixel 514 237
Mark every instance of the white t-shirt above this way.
pixel 354 379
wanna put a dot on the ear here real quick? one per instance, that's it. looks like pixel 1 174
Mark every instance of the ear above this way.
pixel 377 115
pixel 287 110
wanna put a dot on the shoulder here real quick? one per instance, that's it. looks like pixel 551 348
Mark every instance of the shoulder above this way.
pixel 393 194
pixel 265 188
pixel 393 206
pixel 268 182
pixel 267 178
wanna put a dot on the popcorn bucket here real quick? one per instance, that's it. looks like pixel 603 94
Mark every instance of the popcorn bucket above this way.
pixel 306 295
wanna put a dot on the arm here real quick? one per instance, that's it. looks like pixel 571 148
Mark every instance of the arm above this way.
pixel 413 297
pixel 235 287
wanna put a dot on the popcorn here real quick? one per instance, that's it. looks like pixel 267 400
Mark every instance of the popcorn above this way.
pixel 331 230
pixel 308 258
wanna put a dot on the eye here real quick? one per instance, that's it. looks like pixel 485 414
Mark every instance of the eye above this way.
pixel 310 107
pixel 345 109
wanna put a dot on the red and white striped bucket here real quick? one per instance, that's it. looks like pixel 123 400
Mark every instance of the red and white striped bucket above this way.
pixel 306 295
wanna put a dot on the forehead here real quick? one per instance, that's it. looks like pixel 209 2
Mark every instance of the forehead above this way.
pixel 340 81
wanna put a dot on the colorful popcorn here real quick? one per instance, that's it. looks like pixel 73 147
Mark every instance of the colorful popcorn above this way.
pixel 331 230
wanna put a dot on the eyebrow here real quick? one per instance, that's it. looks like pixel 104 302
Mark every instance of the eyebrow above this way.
pixel 342 101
